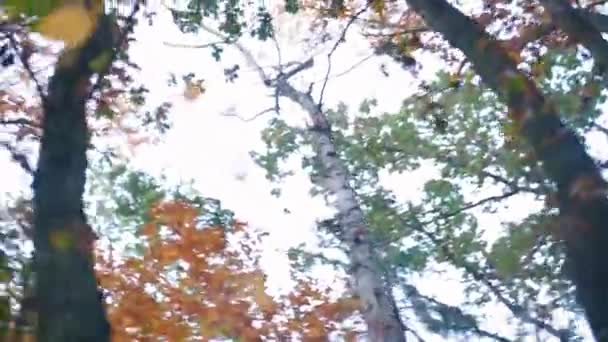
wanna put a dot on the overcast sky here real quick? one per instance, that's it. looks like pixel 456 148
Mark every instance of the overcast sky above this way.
pixel 213 149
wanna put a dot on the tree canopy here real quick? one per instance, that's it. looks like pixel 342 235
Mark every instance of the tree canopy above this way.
pixel 475 210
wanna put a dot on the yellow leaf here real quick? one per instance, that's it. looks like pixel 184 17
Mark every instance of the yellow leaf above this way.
pixel 379 7
pixel 61 240
pixel 71 24
pixel 100 62
pixel 511 129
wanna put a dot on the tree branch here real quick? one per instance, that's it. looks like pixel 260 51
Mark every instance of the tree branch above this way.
pixel 18 157
pixel 529 34
pixel 18 122
pixel 595 3
pixel 600 21
pixel 564 158
pixel 120 41
pixel 340 40
pixel 478 203
pixel 24 58
pixel 577 27
pixel 463 319
pixel 252 118
pixel 193 46
pixel 480 276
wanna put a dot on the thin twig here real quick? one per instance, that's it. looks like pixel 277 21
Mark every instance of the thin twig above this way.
pixel 14 83
pixel 130 20
pixel 28 67
pixel 601 128
pixel 595 3
pixel 476 204
pixel 277 98
pixel 18 157
pixel 517 310
pixel 256 116
pixel 349 69
pixel 472 324
pixel 193 46
pixel 415 334
pixel 335 47
pixel 19 121
pixel 249 58
pixel 398 32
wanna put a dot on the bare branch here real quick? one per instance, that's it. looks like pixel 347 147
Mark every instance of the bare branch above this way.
pixel 595 3
pixel 256 116
pixel 415 296
pixel 249 58
pixel 193 46
pixel 398 32
pixel 24 58
pixel 529 34
pixel 19 121
pixel 18 157
pixel 513 185
pixel 130 23
pixel 349 69
pixel 335 47
pixel 601 128
pixel 299 68
pixel 278 48
pixel 476 204
pixel 487 280
pixel 416 335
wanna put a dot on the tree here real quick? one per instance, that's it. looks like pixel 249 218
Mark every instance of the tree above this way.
pixel 579 183
pixel 554 145
pixel 453 122
pixel 515 89
pixel 68 303
pixel 190 271
pixel 193 273
pixel 378 306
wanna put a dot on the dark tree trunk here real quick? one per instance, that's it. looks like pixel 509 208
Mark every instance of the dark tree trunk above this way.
pixel 68 303
pixel 581 188
pixel 575 24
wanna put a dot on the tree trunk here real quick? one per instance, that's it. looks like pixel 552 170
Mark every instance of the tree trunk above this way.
pixel 378 306
pixel 69 305
pixel 578 27
pixel 581 188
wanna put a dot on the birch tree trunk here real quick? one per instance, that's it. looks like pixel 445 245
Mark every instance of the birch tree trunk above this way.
pixel 378 305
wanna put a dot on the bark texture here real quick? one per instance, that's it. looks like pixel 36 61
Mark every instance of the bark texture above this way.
pixel 379 308
pixel 581 188
pixel 69 305
pixel 580 28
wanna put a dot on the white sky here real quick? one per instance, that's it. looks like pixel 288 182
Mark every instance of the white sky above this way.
pixel 214 150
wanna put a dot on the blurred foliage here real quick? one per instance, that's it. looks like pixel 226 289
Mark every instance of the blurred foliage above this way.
pixel 457 124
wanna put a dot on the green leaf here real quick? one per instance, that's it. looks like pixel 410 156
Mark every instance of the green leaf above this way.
pixel 32 8
pixel 291 6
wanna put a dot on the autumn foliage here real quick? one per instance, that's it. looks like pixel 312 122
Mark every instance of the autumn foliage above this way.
pixel 199 283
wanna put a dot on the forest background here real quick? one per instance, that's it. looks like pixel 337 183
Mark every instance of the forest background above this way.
pixel 242 155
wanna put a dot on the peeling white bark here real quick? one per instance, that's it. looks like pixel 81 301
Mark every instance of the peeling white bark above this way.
pixel 378 306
